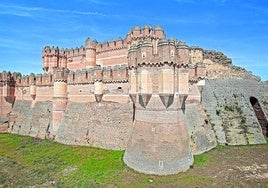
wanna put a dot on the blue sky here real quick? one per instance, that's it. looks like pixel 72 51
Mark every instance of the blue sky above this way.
pixel 238 28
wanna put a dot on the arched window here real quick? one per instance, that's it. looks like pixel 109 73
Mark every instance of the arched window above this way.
pixel 260 115
pixel 172 53
pixel 143 55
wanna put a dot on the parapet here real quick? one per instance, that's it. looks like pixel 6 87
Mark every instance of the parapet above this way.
pixel 81 51
pixel 60 74
pixel 52 57
pixel 111 45
pixel 107 75
pixel 138 33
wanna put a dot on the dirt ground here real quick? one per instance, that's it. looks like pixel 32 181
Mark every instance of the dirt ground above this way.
pixel 242 166
pixel 225 166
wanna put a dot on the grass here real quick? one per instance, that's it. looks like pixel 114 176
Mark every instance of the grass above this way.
pixel 26 161
pixel 200 160
pixel 53 162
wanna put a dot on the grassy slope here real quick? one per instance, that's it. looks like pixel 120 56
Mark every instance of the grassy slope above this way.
pixel 26 161
pixel 40 161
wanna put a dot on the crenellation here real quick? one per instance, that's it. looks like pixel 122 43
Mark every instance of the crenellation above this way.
pixel 159 32
pixel 183 52
pixel 38 79
pixel 25 80
pixel 97 73
pixel 111 45
pixel 120 73
pixel 107 74
pixel 145 87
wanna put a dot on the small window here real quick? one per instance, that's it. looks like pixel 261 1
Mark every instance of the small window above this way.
pixel 143 55
pixel 80 90
pixel 172 53
pixel 119 88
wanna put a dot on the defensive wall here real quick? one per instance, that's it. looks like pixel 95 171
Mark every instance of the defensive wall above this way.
pixel 159 99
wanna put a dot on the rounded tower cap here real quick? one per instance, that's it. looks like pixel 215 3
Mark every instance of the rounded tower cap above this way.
pixel 146 27
pixel 136 28
pixel 158 27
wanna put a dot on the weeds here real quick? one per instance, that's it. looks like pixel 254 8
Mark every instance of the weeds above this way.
pixel 30 162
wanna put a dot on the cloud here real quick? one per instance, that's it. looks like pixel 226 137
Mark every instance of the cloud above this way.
pixel 99 2
pixel 199 2
pixel 28 11
pixel 15 13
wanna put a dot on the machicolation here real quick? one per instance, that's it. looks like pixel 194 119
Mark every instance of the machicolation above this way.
pixel 158 99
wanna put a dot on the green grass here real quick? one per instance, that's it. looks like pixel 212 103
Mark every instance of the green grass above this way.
pixel 26 161
pixel 66 165
pixel 203 159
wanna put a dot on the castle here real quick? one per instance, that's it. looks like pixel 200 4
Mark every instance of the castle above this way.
pixel 144 93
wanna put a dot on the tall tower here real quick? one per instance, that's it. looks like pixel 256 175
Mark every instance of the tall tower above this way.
pixel 91 53
pixel 59 97
pixel 159 143
pixel 50 59
pixel 7 93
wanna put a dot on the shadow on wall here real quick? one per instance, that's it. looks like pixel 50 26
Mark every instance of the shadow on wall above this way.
pixel 260 115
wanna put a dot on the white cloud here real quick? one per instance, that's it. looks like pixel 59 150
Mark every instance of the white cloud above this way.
pixel 27 11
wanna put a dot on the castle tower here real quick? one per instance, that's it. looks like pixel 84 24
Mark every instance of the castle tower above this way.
pixel 90 53
pixel 159 32
pixel 7 93
pixel 62 59
pixel 98 85
pixel 159 143
pixel 50 59
pixel 32 82
pixel 59 97
pixel 45 58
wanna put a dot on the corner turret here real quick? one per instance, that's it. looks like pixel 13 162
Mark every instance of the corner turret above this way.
pixel 59 98
pixel 91 53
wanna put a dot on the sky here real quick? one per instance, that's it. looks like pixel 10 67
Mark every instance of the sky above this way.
pixel 238 28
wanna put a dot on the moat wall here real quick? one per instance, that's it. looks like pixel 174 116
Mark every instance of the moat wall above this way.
pixel 104 125
pixel 229 110
pixel 226 116
pixel 29 121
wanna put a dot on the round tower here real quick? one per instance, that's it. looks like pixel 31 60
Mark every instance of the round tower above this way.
pixel 62 59
pixel 45 58
pixel 91 53
pixel 159 142
pixel 146 31
pixel 183 53
pixel 136 31
pixel 132 56
pixel 159 32
pixel 98 85
pixel 145 51
pixel 54 57
pixel 163 50
pixel 59 97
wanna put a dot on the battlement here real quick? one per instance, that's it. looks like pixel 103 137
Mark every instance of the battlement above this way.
pixel 145 87
pixel 20 80
pixel 116 74
pixel 81 51
pixel 171 50
pixel 53 57
pixel 138 33
pixel 111 45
